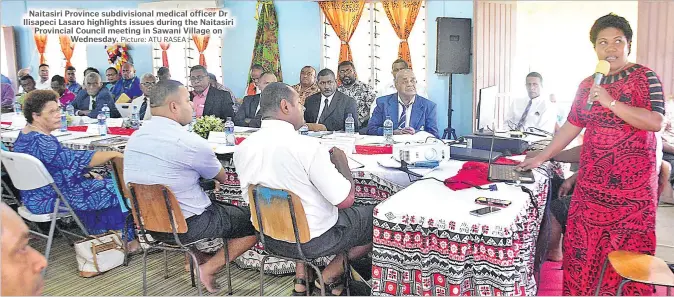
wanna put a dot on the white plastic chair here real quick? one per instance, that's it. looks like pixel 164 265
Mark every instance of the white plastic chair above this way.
pixel 28 173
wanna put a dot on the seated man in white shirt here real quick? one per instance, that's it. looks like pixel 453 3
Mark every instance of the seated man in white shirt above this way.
pixel 278 157
pixel 185 158
pixel 534 112
pixel 147 82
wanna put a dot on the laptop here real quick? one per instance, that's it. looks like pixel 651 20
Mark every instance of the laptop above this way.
pixel 507 173
pixel 471 154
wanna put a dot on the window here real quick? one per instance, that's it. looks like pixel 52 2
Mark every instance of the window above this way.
pixel 57 62
pixel 183 55
pixel 374 46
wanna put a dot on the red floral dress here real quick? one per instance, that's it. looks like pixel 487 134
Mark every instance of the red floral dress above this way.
pixel 614 202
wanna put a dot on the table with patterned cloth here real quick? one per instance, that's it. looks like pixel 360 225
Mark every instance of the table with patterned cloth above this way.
pixel 370 189
pixel 425 242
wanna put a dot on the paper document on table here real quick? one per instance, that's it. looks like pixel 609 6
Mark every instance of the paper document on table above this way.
pixel 217 137
pixel 345 144
pixel 353 164
pixel 115 122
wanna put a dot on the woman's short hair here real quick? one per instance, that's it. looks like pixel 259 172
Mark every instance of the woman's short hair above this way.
pixel 35 102
pixel 611 20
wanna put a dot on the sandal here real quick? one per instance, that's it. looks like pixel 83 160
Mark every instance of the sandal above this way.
pixel 332 286
pixel 307 287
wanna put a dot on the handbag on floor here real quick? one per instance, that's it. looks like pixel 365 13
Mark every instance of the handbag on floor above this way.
pixel 99 253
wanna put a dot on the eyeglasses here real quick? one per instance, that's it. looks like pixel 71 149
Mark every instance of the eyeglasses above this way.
pixel 148 84
pixel 198 78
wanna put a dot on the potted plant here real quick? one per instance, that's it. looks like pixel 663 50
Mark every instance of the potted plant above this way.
pixel 205 125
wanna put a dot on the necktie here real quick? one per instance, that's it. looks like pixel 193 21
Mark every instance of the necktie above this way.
pixel 143 108
pixel 524 115
pixel 325 106
pixel 93 103
pixel 402 121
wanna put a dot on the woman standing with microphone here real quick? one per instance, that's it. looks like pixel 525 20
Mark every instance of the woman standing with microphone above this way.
pixel 614 203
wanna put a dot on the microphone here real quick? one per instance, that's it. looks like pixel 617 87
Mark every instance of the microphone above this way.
pixel 602 69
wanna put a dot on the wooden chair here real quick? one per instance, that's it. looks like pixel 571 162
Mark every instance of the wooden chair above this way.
pixel 283 218
pixel 155 208
pixel 118 177
pixel 640 268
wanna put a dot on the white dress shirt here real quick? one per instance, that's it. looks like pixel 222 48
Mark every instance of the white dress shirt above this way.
pixel 139 102
pixel 542 113
pixel 276 156
pixel 184 157
pixel 91 102
pixel 43 86
pixel 389 89
pixel 323 106
pixel 408 112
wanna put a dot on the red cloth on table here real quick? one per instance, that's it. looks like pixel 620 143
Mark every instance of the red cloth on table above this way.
pixel 112 130
pixel 239 140
pixel 121 131
pixel 6 123
pixel 374 150
pixel 474 174
pixel 78 128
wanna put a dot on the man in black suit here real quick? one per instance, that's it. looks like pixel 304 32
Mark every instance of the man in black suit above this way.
pixel 330 107
pixel 247 115
pixel 207 100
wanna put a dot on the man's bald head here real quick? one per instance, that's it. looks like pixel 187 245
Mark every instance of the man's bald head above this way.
pixel 21 270
pixel 170 99
pixel 23 72
pixel 406 82
pixel 266 79
pixel 128 71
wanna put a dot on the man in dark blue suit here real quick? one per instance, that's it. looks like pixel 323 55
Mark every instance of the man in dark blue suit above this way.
pixel 408 111
pixel 90 102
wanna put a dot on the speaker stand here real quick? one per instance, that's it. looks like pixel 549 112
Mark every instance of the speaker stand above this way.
pixel 449 132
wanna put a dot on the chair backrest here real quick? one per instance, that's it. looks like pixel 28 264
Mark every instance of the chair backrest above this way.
pixel 155 208
pixel 118 170
pixel 275 210
pixel 25 171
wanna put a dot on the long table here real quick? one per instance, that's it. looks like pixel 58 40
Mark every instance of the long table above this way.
pixel 425 242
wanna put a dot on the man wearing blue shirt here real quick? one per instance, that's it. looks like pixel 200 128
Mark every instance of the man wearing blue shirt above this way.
pixel 185 158
pixel 129 84
pixel 72 84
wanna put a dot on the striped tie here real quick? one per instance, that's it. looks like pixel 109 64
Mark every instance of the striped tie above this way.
pixel 524 115
pixel 402 121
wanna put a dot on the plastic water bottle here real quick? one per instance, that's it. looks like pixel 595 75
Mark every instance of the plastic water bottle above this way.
pixel 64 121
pixel 17 107
pixel 106 111
pixel 388 130
pixel 194 121
pixel 70 110
pixel 349 125
pixel 102 125
pixel 229 132
pixel 304 130
pixel 135 119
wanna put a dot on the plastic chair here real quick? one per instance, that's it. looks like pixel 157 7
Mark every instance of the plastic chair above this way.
pixel 283 210
pixel 28 173
pixel 155 208
pixel 640 268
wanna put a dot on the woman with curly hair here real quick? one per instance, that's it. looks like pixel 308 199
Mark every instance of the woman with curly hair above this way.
pixel 614 203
